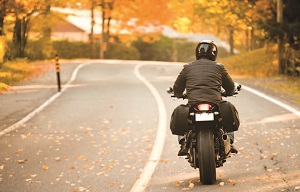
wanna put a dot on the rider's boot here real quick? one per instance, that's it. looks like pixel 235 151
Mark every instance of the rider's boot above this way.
pixel 183 150
pixel 233 149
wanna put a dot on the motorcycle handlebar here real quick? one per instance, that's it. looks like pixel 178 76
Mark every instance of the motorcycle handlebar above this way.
pixel 184 96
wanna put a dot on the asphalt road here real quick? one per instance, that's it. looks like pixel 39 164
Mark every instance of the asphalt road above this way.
pixel 98 136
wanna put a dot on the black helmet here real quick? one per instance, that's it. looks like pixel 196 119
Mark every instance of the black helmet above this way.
pixel 207 49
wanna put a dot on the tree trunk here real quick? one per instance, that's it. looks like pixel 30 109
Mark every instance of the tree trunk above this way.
pixel 252 39
pixel 92 30
pixel 247 40
pixel 280 39
pixel 102 41
pixel 24 33
pixel 281 67
pixel 17 37
pixel 231 40
pixel 20 35
pixel 2 15
pixel 46 43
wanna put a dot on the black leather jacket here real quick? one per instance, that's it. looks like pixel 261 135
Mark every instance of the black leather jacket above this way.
pixel 203 80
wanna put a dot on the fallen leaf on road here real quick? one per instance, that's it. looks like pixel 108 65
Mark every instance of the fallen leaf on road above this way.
pixel 45 167
pixel 81 157
pixel 185 189
pixel 82 189
pixel 177 184
pixel 127 166
pixel 107 168
pixel 21 161
pixel 164 160
pixel 23 136
pixel 232 182
pixel 222 184
pixel 191 185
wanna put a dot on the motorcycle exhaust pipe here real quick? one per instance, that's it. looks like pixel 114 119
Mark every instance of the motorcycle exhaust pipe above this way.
pixel 226 141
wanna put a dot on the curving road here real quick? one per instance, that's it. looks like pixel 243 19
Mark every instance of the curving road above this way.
pixel 108 131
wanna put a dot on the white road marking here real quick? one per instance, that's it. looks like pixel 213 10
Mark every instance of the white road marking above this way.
pixel 157 149
pixel 44 105
pixel 275 101
pixel 154 158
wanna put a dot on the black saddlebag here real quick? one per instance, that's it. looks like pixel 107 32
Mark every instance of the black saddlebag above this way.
pixel 230 116
pixel 178 123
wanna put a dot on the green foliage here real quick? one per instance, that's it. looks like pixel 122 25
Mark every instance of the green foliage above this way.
pixel 163 50
pixel 184 51
pixel 39 50
pixel 120 51
pixel 291 18
pixel 69 50
pixel 158 51
pixel 166 49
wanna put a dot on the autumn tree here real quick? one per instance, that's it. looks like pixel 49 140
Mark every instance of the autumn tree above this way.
pixel 23 11
pixel 2 15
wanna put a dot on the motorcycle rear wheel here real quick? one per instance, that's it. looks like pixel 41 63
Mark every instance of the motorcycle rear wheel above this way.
pixel 206 156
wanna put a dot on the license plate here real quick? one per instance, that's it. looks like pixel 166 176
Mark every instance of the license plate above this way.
pixel 204 117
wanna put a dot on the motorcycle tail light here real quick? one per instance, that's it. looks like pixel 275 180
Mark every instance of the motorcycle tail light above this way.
pixel 204 107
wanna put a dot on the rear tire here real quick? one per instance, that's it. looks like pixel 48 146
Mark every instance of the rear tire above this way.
pixel 206 156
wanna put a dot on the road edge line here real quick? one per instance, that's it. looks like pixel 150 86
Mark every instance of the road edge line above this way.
pixel 275 101
pixel 44 105
pixel 144 178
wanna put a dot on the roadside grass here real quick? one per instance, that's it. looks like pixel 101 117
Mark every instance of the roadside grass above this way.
pixel 257 63
pixel 290 85
pixel 261 67
pixel 17 71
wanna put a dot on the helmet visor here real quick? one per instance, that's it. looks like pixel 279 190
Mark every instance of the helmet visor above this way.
pixel 207 48
pixel 203 48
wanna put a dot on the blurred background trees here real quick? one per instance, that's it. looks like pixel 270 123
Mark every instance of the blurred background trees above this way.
pixel 26 27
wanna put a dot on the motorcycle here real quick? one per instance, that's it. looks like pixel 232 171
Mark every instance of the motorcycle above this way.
pixel 206 135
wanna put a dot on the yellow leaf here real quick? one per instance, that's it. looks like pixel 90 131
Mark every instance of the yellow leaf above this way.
pixel 81 157
pixel 22 161
pixel 107 168
pixel 45 167
pixel 164 160
pixel 86 167
pixel 191 185
pixel 185 189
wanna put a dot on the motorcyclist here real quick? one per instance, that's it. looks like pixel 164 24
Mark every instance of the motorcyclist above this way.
pixel 202 80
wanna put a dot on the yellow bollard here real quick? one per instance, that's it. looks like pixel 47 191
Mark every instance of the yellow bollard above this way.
pixel 57 72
